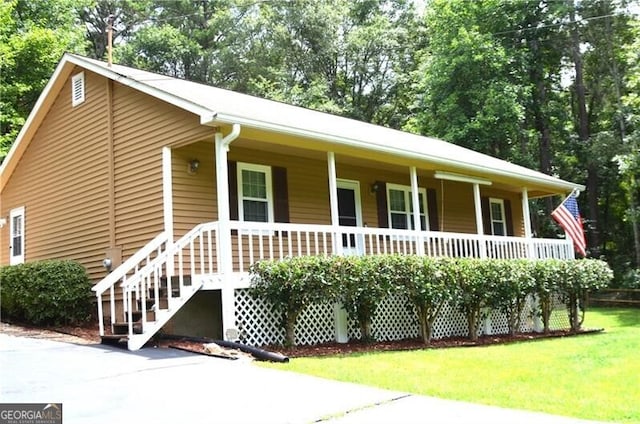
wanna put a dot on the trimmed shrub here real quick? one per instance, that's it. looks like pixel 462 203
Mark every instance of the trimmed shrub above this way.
pixel 545 275
pixel 471 291
pixel 474 286
pixel 362 283
pixel 576 279
pixel 511 282
pixel 426 283
pixel 53 292
pixel 290 285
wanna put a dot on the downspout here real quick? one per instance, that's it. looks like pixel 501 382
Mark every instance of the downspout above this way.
pixel 225 255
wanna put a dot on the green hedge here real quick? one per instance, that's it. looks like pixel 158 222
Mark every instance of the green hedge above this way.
pixel 54 292
pixel 474 286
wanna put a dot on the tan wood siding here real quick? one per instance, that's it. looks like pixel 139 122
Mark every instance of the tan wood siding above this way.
pixel 62 182
pixel 142 126
pixel 194 195
pixel 307 179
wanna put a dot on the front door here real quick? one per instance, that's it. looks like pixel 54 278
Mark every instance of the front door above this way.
pixel 350 215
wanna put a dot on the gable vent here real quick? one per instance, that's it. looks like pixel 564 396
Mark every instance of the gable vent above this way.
pixel 77 89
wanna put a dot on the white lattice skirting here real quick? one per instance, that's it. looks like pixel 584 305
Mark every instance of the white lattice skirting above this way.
pixel 259 325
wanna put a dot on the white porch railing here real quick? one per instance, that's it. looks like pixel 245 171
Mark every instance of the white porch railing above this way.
pixel 156 281
pixel 252 241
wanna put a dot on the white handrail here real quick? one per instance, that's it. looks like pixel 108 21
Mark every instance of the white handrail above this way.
pixel 128 265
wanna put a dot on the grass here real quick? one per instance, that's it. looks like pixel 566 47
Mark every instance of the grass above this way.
pixel 593 376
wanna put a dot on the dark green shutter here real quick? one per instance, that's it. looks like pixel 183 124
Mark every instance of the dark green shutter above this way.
pixel 486 216
pixel 432 208
pixel 233 190
pixel 508 217
pixel 280 194
pixel 381 200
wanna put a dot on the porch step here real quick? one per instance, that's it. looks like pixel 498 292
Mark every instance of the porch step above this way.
pixel 164 304
pixel 118 340
pixel 122 328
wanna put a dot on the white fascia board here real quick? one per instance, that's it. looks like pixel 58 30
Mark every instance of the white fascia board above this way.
pixel 390 149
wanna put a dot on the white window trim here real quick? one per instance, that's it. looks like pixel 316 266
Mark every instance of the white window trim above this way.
pixel 16 259
pixel 268 181
pixel 502 221
pixel 77 89
pixel 408 200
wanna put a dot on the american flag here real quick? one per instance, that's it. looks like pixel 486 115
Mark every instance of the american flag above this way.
pixel 568 217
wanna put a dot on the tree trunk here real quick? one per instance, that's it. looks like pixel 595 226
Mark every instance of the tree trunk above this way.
pixel 472 319
pixel 583 131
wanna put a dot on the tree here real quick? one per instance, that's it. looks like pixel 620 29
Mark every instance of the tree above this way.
pixel 126 16
pixel 33 37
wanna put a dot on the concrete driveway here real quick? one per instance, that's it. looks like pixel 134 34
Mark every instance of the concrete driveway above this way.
pixel 101 384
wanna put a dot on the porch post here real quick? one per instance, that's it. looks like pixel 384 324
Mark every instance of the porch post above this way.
pixel 333 201
pixel 167 200
pixel 479 226
pixel 415 200
pixel 340 319
pixel 526 216
pixel 225 266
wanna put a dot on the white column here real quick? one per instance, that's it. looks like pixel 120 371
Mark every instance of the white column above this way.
pixel 333 201
pixel 340 320
pixel 225 256
pixel 415 200
pixel 479 226
pixel 526 216
pixel 167 201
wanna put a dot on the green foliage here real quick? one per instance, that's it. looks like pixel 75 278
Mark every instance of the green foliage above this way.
pixel 290 286
pixel 33 36
pixel 574 280
pixel 512 282
pixel 46 293
pixel 363 282
pixel 545 275
pixel 426 283
pixel 472 288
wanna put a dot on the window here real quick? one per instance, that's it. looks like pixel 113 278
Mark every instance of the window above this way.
pixel 77 89
pixel 401 207
pixel 16 229
pixel 255 199
pixel 498 222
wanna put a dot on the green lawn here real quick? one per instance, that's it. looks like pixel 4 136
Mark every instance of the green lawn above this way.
pixel 589 376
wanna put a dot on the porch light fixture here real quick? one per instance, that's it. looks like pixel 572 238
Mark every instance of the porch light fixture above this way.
pixel 459 177
pixel 374 188
pixel 193 166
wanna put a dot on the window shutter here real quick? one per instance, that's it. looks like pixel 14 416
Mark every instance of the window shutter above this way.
pixel 280 194
pixel 432 207
pixel 508 217
pixel 233 190
pixel 381 199
pixel 486 216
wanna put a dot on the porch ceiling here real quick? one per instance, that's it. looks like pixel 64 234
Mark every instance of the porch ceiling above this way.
pixel 289 145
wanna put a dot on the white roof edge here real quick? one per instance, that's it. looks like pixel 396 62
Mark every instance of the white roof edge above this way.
pixel 140 86
pixel 211 117
pixel 542 179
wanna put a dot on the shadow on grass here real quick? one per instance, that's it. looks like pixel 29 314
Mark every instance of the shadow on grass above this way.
pixel 626 317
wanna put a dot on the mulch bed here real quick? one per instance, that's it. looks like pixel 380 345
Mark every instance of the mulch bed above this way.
pixel 88 334
pixel 356 346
